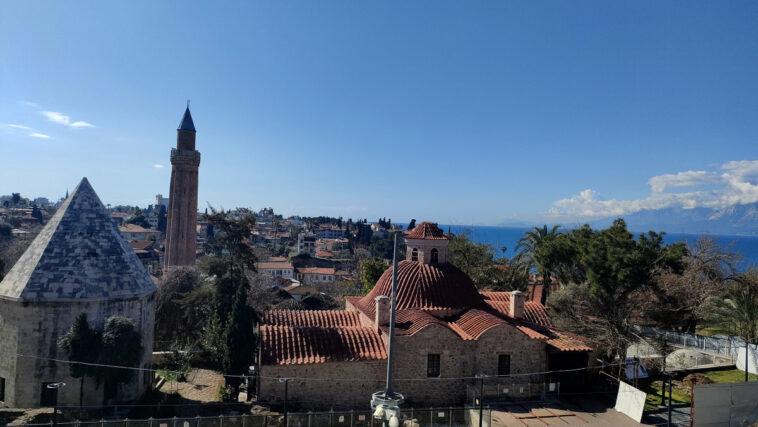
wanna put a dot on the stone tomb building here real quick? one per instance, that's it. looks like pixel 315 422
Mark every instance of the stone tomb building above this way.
pixel 446 333
pixel 79 262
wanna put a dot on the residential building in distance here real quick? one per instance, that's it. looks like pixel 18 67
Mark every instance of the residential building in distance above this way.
pixel 306 243
pixel 277 269
pixel 314 275
pixel 137 232
pixel 328 231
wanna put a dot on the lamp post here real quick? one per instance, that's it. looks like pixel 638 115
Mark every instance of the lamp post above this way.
pixel 56 387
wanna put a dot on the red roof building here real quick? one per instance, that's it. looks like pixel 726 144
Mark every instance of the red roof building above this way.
pixel 445 329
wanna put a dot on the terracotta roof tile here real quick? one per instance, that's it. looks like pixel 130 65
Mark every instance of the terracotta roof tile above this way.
pixel 322 318
pixel 286 345
pixel 426 230
pixel 533 311
pixel 300 336
pixel 426 287
pixel 315 270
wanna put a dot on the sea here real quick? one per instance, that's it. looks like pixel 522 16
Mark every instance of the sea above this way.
pixel 507 237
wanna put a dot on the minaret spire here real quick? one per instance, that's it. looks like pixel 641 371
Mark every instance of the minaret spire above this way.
pixel 181 220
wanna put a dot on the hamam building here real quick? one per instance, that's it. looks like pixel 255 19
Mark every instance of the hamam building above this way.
pixel 446 333
pixel 79 262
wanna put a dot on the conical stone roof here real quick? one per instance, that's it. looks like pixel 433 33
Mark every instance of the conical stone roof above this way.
pixel 79 255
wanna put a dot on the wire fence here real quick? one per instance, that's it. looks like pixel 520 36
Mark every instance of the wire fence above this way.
pixel 427 417
pixel 727 347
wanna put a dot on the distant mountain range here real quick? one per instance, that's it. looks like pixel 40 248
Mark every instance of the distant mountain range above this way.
pixel 741 220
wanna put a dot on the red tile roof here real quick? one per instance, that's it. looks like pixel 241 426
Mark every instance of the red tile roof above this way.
pixel 300 336
pixel 324 254
pixel 323 318
pixel 533 311
pixel 315 270
pixel 277 259
pixel 426 230
pixel 286 345
pixel 141 244
pixel 426 287
pixel 274 265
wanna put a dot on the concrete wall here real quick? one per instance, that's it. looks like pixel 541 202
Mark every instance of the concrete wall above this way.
pixel 734 404
pixel 33 329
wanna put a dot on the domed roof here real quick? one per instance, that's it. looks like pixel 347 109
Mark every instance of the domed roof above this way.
pixel 427 287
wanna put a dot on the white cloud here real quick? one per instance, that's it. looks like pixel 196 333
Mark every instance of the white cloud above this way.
pixel 22 127
pixel 30 104
pixel 158 166
pixel 39 135
pixel 63 119
pixel 736 184
pixel 682 179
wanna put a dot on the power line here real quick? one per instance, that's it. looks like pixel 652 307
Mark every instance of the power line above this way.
pixel 135 368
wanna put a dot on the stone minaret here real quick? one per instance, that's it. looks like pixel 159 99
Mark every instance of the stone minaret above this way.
pixel 181 222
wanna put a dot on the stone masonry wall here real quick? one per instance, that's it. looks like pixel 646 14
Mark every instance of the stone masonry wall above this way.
pixel 33 329
pixel 460 360
pixel 338 385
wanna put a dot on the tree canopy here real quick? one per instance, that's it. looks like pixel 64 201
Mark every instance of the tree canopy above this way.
pixel 608 271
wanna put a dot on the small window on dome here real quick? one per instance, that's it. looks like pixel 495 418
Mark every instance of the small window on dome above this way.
pixel 414 254
pixel 434 256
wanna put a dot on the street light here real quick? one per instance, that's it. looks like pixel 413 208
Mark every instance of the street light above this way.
pixel 55 386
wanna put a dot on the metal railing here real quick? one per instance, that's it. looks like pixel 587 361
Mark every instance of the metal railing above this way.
pixel 421 417
pixel 727 347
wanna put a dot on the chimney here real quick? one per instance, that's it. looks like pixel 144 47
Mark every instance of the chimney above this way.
pixel 382 312
pixel 516 309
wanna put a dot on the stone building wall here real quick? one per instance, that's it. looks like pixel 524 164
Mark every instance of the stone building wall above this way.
pixel 460 361
pixel 33 328
pixel 338 385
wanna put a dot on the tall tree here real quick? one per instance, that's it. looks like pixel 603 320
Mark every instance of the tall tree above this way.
pixel 412 224
pixel 233 259
pixel 737 311
pixel 618 269
pixel 529 247
pixel 371 270
pixel 679 300
pixel 81 344
pixel 171 316
pixel 121 346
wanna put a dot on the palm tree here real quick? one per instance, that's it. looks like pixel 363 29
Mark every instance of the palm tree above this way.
pixel 737 312
pixel 527 248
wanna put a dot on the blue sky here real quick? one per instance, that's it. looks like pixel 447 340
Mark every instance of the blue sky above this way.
pixel 458 112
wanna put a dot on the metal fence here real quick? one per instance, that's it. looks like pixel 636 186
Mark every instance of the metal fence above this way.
pixel 727 347
pixel 426 417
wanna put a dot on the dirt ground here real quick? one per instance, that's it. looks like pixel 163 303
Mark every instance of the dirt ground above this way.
pixel 24 416
pixel 201 386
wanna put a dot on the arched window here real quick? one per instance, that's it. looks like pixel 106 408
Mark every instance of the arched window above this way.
pixel 434 256
pixel 414 254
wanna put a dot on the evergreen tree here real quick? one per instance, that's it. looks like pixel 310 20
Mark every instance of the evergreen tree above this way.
pixel 162 219
pixel 121 346
pixel 239 339
pixel 81 344
pixel 412 224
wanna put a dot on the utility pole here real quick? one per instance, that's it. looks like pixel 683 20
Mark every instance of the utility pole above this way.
pixel 386 403
pixel 670 393
pixel 481 397
pixel 747 353
pixel 286 382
